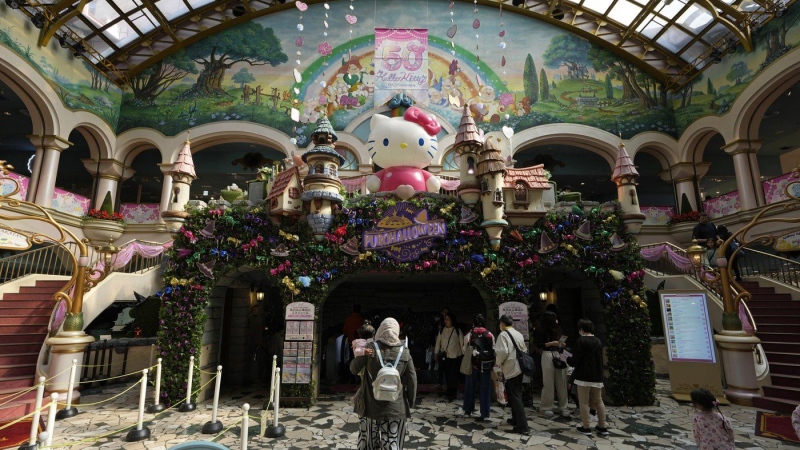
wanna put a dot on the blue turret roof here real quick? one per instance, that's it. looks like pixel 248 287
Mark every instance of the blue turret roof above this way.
pixel 323 138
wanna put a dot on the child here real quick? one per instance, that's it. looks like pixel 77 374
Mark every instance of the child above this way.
pixel 365 334
pixel 712 430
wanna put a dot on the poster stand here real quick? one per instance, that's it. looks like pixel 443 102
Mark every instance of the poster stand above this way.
pixel 693 362
pixel 298 346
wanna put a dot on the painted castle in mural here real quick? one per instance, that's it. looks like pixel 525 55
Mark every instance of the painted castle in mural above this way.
pixel 258 71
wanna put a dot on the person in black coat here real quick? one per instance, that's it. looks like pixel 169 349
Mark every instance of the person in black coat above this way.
pixel 705 229
pixel 587 359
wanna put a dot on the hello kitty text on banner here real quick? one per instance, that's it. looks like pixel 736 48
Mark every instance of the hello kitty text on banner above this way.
pixel 401 64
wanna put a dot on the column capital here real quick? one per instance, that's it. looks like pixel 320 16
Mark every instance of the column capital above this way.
pixel 742 146
pixel 111 169
pixel 49 142
pixel 685 171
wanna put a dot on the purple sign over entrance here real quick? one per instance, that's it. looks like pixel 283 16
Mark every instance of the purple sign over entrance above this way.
pixel 405 233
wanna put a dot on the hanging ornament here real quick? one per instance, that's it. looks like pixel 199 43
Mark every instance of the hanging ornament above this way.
pixel 208 231
pixel 350 247
pixel 467 215
pixel 516 236
pixel 351 20
pixel 280 251
pixel 475 25
pixel 207 268
pixel 585 231
pixel 451 33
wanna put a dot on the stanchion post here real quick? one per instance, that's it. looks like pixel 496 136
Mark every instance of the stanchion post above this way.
pixel 245 424
pixel 157 406
pixel 141 432
pixel 188 405
pixel 271 381
pixel 276 429
pixel 69 410
pixel 214 426
pixel 51 419
pixel 32 445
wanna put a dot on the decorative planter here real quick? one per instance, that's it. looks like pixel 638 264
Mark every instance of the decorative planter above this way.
pixel 682 232
pixel 100 231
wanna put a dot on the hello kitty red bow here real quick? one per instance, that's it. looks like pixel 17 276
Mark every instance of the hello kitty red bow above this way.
pixel 427 122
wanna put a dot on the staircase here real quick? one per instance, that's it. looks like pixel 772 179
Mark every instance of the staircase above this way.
pixel 23 327
pixel 778 319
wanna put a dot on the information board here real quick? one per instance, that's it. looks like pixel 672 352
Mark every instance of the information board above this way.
pixel 689 339
pixel 298 344
pixel 519 312
pixel 687 327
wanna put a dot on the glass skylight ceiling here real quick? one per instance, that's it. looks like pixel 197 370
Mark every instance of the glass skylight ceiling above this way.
pixel 671 40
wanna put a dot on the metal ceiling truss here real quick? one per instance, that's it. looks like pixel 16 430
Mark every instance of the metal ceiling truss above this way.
pixel 674 69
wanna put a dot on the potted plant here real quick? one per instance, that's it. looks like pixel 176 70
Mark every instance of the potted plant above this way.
pixel 100 225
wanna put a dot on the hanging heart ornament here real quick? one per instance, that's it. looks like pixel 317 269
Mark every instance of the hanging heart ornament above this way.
pixel 301 6
pixel 351 19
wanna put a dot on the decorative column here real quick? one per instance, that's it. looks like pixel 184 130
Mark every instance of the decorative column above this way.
pixel 492 171
pixel 30 195
pixel 182 174
pixel 625 176
pixel 46 182
pixel 109 173
pixel 468 142
pixel 748 175
pixel 686 176
pixel 166 188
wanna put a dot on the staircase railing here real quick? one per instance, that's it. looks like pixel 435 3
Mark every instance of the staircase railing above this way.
pixel 52 259
pixel 760 264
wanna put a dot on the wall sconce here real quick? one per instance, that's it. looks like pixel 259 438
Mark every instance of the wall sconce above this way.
pixel 256 295
pixel 543 296
pixel 696 254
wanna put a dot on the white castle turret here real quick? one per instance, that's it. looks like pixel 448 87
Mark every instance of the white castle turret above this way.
pixel 491 170
pixel 625 176
pixel 182 174
pixel 467 145
pixel 321 186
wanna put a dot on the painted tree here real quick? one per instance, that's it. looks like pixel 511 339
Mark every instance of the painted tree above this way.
pixel 96 76
pixel 772 36
pixel 153 81
pixel 570 51
pixel 688 91
pixel 243 76
pixel 710 88
pixel 738 72
pixel 609 87
pixel 604 60
pixel 530 81
pixel 248 43
pixel 544 86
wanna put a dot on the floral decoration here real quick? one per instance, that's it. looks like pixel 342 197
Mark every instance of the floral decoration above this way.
pixel 692 216
pixel 97 214
pixel 324 49
pixel 246 236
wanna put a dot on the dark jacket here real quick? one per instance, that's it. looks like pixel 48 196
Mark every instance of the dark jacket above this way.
pixel 542 337
pixel 587 359
pixel 399 409
pixel 703 231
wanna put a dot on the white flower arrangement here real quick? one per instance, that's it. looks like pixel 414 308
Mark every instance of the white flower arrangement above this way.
pixel 547 174
pixel 264 173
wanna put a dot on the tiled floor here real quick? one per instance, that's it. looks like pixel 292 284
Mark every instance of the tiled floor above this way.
pixel 330 424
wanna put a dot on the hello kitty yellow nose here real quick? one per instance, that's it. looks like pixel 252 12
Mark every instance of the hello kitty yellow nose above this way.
pixel 403 145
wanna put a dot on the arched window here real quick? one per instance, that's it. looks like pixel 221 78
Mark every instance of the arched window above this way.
pixel 520 192
pixel 350 160
pixel 319 169
pixel 332 170
pixel 449 161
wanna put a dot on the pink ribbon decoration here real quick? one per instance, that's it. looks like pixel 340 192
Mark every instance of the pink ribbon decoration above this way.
pixel 427 122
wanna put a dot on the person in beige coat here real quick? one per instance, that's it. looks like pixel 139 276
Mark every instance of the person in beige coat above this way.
pixel 448 350
pixel 509 341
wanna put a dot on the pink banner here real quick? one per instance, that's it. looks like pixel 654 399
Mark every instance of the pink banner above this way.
pixel 401 64
pixel 140 213
pixel 775 189
pixel 723 205
pixel 657 215
pixel 6 187
pixel 69 203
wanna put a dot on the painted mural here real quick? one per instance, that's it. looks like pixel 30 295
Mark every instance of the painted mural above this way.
pixel 714 91
pixel 307 59
pixel 79 86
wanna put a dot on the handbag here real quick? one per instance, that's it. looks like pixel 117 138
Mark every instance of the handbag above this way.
pixel 526 362
pixel 466 361
pixel 558 364
pixel 443 354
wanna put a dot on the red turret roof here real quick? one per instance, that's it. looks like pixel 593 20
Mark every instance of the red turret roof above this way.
pixel 533 177
pixel 624 167
pixel 184 163
pixel 282 180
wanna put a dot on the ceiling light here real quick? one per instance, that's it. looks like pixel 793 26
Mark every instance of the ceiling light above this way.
pixel 7 113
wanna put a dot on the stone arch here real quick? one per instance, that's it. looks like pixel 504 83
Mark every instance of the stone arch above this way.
pixel 693 142
pixel 42 102
pixel 662 147
pixel 100 141
pixel 753 102
pixel 592 139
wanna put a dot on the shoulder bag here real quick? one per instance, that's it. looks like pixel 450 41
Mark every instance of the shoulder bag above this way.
pixel 526 362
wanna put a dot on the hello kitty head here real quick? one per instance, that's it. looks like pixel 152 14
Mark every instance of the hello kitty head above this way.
pixel 404 141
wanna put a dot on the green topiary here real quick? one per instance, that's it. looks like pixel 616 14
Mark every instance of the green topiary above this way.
pixel 108 204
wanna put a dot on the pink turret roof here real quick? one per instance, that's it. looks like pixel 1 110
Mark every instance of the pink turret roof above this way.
pixel 624 167
pixel 533 177
pixel 184 163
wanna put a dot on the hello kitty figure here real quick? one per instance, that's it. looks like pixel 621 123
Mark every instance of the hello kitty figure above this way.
pixel 403 145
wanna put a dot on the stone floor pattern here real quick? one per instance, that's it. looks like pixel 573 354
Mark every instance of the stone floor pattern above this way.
pixel 331 424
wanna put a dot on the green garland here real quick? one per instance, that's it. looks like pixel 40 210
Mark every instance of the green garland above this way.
pixel 216 241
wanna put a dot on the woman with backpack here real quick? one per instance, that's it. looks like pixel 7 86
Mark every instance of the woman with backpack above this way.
pixel 390 389
pixel 448 351
pixel 480 343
